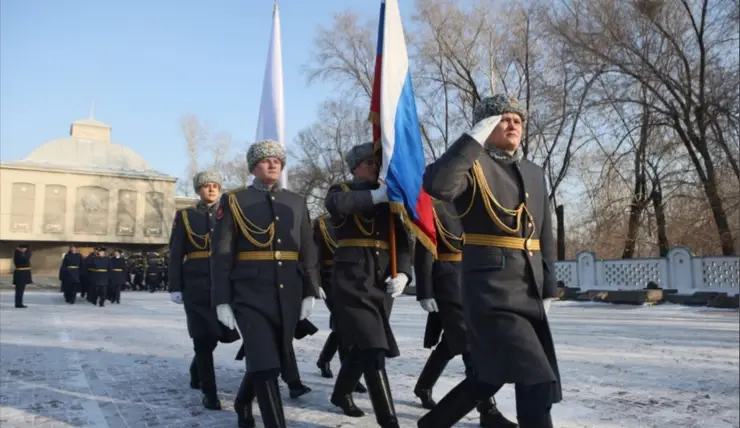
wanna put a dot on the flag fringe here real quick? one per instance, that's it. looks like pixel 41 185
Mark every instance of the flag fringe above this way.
pixel 400 209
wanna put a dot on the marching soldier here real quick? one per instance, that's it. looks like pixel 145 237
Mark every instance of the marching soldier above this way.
pixel 264 272
pixel 88 289
pixel 21 273
pixel 99 270
pixel 69 273
pixel 190 284
pixel 507 266
pixel 118 274
pixel 438 290
pixel 153 274
pixel 363 288
pixel 324 234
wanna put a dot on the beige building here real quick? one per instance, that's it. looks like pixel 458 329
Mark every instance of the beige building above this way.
pixel 87 190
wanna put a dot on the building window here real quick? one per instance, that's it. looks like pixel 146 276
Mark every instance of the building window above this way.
pixel 55 208
pixel 23 200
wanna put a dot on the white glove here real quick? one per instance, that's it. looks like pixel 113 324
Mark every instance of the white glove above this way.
pixel 483 129
pixel 380 194
pixel 395 286
pixel 306 307
pixel 226 315
pixel 322 294
pixel 429 305
pixel 546 303
pixel 176 297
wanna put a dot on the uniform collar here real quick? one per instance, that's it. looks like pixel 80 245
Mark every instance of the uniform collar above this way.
pixel 259 185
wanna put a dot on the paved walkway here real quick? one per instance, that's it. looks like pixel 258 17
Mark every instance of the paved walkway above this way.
pixel 126 366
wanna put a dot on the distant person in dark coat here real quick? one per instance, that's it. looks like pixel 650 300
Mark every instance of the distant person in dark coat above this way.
pixel 21 273
pixel 69 274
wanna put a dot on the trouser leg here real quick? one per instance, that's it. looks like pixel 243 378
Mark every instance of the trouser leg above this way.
pixel 379 388
pixel 204 347
pixel 533 404
pixel 20 289
pixel 268 397
pixel 194 375
pixel 430 374
pixel 326 355
pixel 346 380
pixel 243 402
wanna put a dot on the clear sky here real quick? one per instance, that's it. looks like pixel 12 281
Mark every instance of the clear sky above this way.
pixel 146 63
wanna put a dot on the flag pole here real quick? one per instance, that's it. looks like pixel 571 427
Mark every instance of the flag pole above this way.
pixel 392 243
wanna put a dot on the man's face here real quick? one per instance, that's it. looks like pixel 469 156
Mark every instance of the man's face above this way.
pixel 74 250
pixel 101 253
pixel 367 170
pixel 268 170
pixel 117 254
pixel 209 192
pixel 507 135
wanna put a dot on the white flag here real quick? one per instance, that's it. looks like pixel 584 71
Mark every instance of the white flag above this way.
pixel 271 123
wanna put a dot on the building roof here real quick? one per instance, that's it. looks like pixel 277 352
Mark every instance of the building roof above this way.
pixel 88 152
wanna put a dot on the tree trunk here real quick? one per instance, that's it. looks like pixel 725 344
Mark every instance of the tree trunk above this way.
pixel 663 245
pixel 719 214
pixel 633 228
pixel 560 218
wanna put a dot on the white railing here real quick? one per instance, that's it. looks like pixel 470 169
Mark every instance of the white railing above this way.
pixel 679 270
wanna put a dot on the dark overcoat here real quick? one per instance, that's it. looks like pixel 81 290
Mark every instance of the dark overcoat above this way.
pixel 22 270
pixel 362 308
pixel 440 279
pixel 118 272
pixel 324 235
pixel 263 263
pixel 508 264
pixel 189 271
pixel 98 271
pixel 69 271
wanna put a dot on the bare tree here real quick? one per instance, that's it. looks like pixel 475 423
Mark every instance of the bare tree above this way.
pixel 196 135
pixel 683 53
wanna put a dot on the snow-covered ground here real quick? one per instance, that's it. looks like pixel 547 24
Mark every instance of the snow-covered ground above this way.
pixel 127 366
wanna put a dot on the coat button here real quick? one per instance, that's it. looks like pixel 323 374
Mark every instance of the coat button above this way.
pixel 282 286
pixel 277 217
pixel 530 225
pixel 531 254
pixel 278 241
pixel 526 195
pixel 280 263
pixel 377 253
pixel 272 197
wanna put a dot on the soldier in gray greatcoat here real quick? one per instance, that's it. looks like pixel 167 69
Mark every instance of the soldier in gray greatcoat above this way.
pixel 264 275
pixel 363 288
pixel 324 234
pixel 190 283
pixel 508 268
pixel 439 292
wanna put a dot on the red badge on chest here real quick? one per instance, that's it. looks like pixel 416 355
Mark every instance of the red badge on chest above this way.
pixel 219 213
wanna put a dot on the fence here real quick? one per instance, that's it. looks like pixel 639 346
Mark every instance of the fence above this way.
pixel 679 270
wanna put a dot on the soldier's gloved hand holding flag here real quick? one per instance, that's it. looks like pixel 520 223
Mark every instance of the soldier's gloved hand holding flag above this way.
pixel 429 305
pixel 395 286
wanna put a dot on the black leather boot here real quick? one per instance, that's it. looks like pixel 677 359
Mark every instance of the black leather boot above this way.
pixel 343 352
pixel 194 376
pixel 491 417
pixel 271 406
pixel 208 380
pixel 453 407
pixel 243 403
pixel 297 389
pixel 430 374
pixel 348 376
pixel 326 355
pixel 381 397
pixel 535 421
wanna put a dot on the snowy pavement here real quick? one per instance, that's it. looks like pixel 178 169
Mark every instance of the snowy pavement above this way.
pixel 127 366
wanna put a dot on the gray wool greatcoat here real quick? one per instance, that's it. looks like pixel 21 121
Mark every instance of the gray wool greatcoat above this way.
pixel 503 283
pixel 263 263
pixel 441 279
pixel 362 308
pixel 189 271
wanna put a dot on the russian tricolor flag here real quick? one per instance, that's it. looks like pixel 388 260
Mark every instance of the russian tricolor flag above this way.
pixel 396 129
